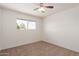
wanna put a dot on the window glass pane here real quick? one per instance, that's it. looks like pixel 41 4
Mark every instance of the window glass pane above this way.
pixel 31 25
pixel 21 24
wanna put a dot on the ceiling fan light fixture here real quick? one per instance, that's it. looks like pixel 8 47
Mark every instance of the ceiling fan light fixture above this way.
pixel 42 9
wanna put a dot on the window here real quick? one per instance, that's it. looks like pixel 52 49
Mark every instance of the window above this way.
pixel 21 24
pixel 25 25
pixel 31 25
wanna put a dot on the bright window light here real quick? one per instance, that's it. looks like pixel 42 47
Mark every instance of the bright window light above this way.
pixel 25 25
pixel 21 24
pixel 31 25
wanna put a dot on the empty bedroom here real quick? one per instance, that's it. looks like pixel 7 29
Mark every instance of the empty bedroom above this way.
pixel 39 29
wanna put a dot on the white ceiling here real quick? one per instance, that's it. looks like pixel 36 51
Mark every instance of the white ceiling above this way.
pixel 28 8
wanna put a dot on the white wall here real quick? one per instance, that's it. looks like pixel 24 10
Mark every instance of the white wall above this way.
pixel 13 37
pixel 63 29
pixel 0 24
pixel 1 38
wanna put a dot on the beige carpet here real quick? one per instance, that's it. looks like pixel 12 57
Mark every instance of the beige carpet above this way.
pixel 38 49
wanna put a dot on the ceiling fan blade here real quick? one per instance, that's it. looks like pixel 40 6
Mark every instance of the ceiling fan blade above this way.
pixel 49 6
pixel 36 9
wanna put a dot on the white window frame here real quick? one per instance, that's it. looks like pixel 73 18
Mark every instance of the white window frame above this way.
pixel 28 23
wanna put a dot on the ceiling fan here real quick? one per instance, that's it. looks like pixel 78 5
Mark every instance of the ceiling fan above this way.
pixel 42 7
